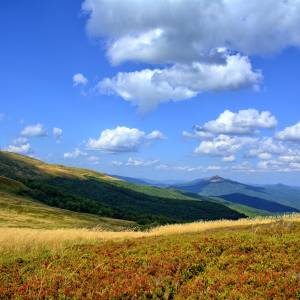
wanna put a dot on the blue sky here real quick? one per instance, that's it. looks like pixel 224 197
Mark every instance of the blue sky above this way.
pixel 129 93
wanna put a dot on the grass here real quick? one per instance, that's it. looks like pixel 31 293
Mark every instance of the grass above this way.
pixel 16 211
pixel 244 259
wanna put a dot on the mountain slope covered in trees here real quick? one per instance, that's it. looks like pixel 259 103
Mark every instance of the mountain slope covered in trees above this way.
pixel 96 193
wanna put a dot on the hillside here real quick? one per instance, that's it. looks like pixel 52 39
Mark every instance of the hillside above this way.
pixel 244 259
pixel 96 193
pixel 268 199
pixel 21 212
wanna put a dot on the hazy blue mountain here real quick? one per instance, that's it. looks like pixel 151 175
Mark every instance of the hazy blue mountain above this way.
pixel 217 186
pixel 146 181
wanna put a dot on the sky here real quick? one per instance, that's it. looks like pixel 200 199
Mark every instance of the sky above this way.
pixel 165 90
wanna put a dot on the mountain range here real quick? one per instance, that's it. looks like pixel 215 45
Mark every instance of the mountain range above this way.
pixel 29 181
pixel 95 193
pixel 246 198
pixel 271 198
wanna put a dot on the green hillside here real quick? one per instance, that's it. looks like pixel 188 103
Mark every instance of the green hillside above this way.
pixel 21 212
pixel 244 209
pixel 96 193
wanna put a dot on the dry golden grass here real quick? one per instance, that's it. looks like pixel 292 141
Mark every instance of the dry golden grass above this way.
pixel 25 240
pixel 210 225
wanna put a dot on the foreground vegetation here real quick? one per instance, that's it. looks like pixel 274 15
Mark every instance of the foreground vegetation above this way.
pixel 245 259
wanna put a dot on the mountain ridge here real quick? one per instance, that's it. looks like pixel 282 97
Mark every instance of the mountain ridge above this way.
pixel 97 193
pixel 217 186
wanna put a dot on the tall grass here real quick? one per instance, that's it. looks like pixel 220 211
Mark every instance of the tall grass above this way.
pixel 23 241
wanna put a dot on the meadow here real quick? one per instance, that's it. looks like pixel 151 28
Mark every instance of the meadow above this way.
pixel 244 259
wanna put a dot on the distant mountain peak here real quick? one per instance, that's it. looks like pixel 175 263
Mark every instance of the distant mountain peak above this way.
pixel 216 178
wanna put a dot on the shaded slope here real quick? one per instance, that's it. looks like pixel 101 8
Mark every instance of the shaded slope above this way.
pixel 22 212
pixel 92 192
pixel 259 203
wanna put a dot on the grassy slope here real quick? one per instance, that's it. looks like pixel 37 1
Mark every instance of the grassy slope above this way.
pixel 21 212
pixel 244 209
pixel 256 262
pixel 92 192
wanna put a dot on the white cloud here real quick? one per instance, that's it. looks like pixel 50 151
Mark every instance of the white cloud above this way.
pixel 201 45
pixel 182 168
pixel 229 158
pixel 20 141
pixel 121 139
pixel 155 135
pixel 290 158
pixel 140 162
pixel 242 122
pixel 148 88
pixel 79 79
pixel 93 159
pixel 75 154
pixel 34 131
pixel 20 148
pixel 222 145
pixel 245 166
pixel 57 133
pixel 117 163
pixel 198 134
pixel 214 168
pixel 266 147
pixel 188 30
pixel 291 133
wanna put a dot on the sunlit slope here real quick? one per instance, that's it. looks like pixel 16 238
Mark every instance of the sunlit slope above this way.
pixel 21 212
pixel 96 193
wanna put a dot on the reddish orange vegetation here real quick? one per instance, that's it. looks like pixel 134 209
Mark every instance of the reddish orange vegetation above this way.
pixel 249 263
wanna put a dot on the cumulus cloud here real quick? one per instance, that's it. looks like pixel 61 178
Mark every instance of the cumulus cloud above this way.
pixel 57 133
pixel 188 30
pixel 155 135
pixel 20 141
pixel 122 139
pixel 75 154
pixel 266 147
pixel 291 133
pixel 222 145
pixel 79 79
pixel 140 162
pixel 34 131
pixel 148 88
pixel 20 148
pixel 242 122
pixel 117 163
pixel 198 134
pixel 136 162
pixel 192 46
pixel 181 168
pixel 229 158
pixel 93 159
